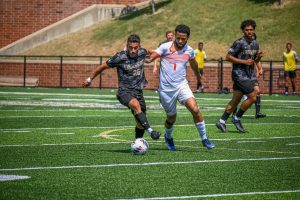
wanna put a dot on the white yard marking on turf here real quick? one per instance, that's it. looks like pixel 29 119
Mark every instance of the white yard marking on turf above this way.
pixel 108 127
pixel 151 164
pixel 218 195
pixel 292 144
pixel 4 177
pixel 249 141
pixel 12 131
pixel 60 133
pixel 105 134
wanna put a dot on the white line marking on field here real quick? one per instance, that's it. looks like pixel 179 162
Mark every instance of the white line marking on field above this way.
pixel 218 195
pixel 149 164
pixel 12 131
pixel 249 141
pixel 60 133
pixel 293 144
pixel 4 177
pixel 125 141
pixel 121 126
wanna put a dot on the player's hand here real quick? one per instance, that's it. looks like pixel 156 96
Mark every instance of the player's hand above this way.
pixel 248 62
pixel 87 82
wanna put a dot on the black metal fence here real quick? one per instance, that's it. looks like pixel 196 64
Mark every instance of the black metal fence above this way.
pixel 273 70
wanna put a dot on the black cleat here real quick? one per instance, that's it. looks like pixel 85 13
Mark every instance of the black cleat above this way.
pixel 221 127
pixel 155 135
pixel 260 115
pixel 238 125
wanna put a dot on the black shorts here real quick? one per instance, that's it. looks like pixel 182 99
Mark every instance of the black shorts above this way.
pixel 290 74
pixel 124 97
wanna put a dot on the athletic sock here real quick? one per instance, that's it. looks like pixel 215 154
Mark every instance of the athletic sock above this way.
pixel 257 104
pixel 139 133
pixel 201 129
pixel 169 132
pixel 239 114
pixel 142 119
pixel 286 89
pixel 224 117
pixel 293 87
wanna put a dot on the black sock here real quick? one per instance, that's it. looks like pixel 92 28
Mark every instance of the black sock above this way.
pixel 257 104
pixel 199 85
pixel 286 89
pixel 240 113
pixel 142 119
pixel 234 111
pixel 225 116
pixel 293 86
pixel 139 133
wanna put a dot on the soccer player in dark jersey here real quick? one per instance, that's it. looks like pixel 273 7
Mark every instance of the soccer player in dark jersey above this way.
pixel 132 81
pixel 243 54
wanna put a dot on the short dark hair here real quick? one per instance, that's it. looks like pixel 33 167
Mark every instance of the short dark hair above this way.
pixel 133 38
pixel 288 43
pixel 200 43
pixel 183 29
pixel 248 22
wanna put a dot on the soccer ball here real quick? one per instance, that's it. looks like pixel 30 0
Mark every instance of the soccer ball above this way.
pixel 139 146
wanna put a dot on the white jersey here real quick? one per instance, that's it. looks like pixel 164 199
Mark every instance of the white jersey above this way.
pixel 173 66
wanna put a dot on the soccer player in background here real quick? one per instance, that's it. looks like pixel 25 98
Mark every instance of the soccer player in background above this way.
pixel 242 54
pixel 169 37
pixel 290 59
pixel 200 57
pixel 173 85
pixel 132 81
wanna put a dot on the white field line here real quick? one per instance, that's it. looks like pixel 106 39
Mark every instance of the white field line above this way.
pixel 60 133
pixel 293 144
pixel 154 142
pixel 218 195
pixel 101 115
pixel 113 95
pixel 150 164
pixel 158 126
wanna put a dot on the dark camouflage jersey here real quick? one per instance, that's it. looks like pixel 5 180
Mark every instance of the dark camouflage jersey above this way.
pixel 130 70
pixel 244 49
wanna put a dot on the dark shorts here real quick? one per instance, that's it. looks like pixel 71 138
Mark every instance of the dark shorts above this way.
pixel 290 74
pixel 200 71
pixel 124 97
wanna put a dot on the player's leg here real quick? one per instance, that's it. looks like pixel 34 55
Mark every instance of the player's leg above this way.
pixel 187 98
pixel 258 114
pixel 231 106
pixel 168 102
pixel 138 109
pixel 293 78
pixel 286 83
pixel 199 81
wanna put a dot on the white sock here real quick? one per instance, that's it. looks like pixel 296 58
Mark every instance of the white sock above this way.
pixel 169 132
pixel 222 121
pixel 149 130
pixel 201 129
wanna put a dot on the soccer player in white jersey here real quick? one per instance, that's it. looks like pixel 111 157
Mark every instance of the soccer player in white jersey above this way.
pixel 173 86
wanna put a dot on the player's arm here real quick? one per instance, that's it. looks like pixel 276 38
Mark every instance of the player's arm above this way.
pixel 152 56
pixel 235 60
pixel 194 66
pixel 155 66
pixel 97 71
pixel 258 69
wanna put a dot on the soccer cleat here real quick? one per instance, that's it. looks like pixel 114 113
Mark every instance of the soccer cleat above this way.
pixel 170 143
pixel 221 127
pixel 206 143
pixel 286 93
pixel 155 135
pixel 260 115
pixel 238 125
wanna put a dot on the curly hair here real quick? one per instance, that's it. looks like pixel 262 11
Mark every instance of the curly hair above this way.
pixel 183 29
pixel 248 22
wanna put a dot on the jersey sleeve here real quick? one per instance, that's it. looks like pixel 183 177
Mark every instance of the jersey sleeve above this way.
pixel 114 61
pixel 234 49
pixel 192 53
pixel 161 49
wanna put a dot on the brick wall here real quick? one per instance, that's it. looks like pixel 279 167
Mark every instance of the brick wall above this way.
pixel 19 18
pixel 74 74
